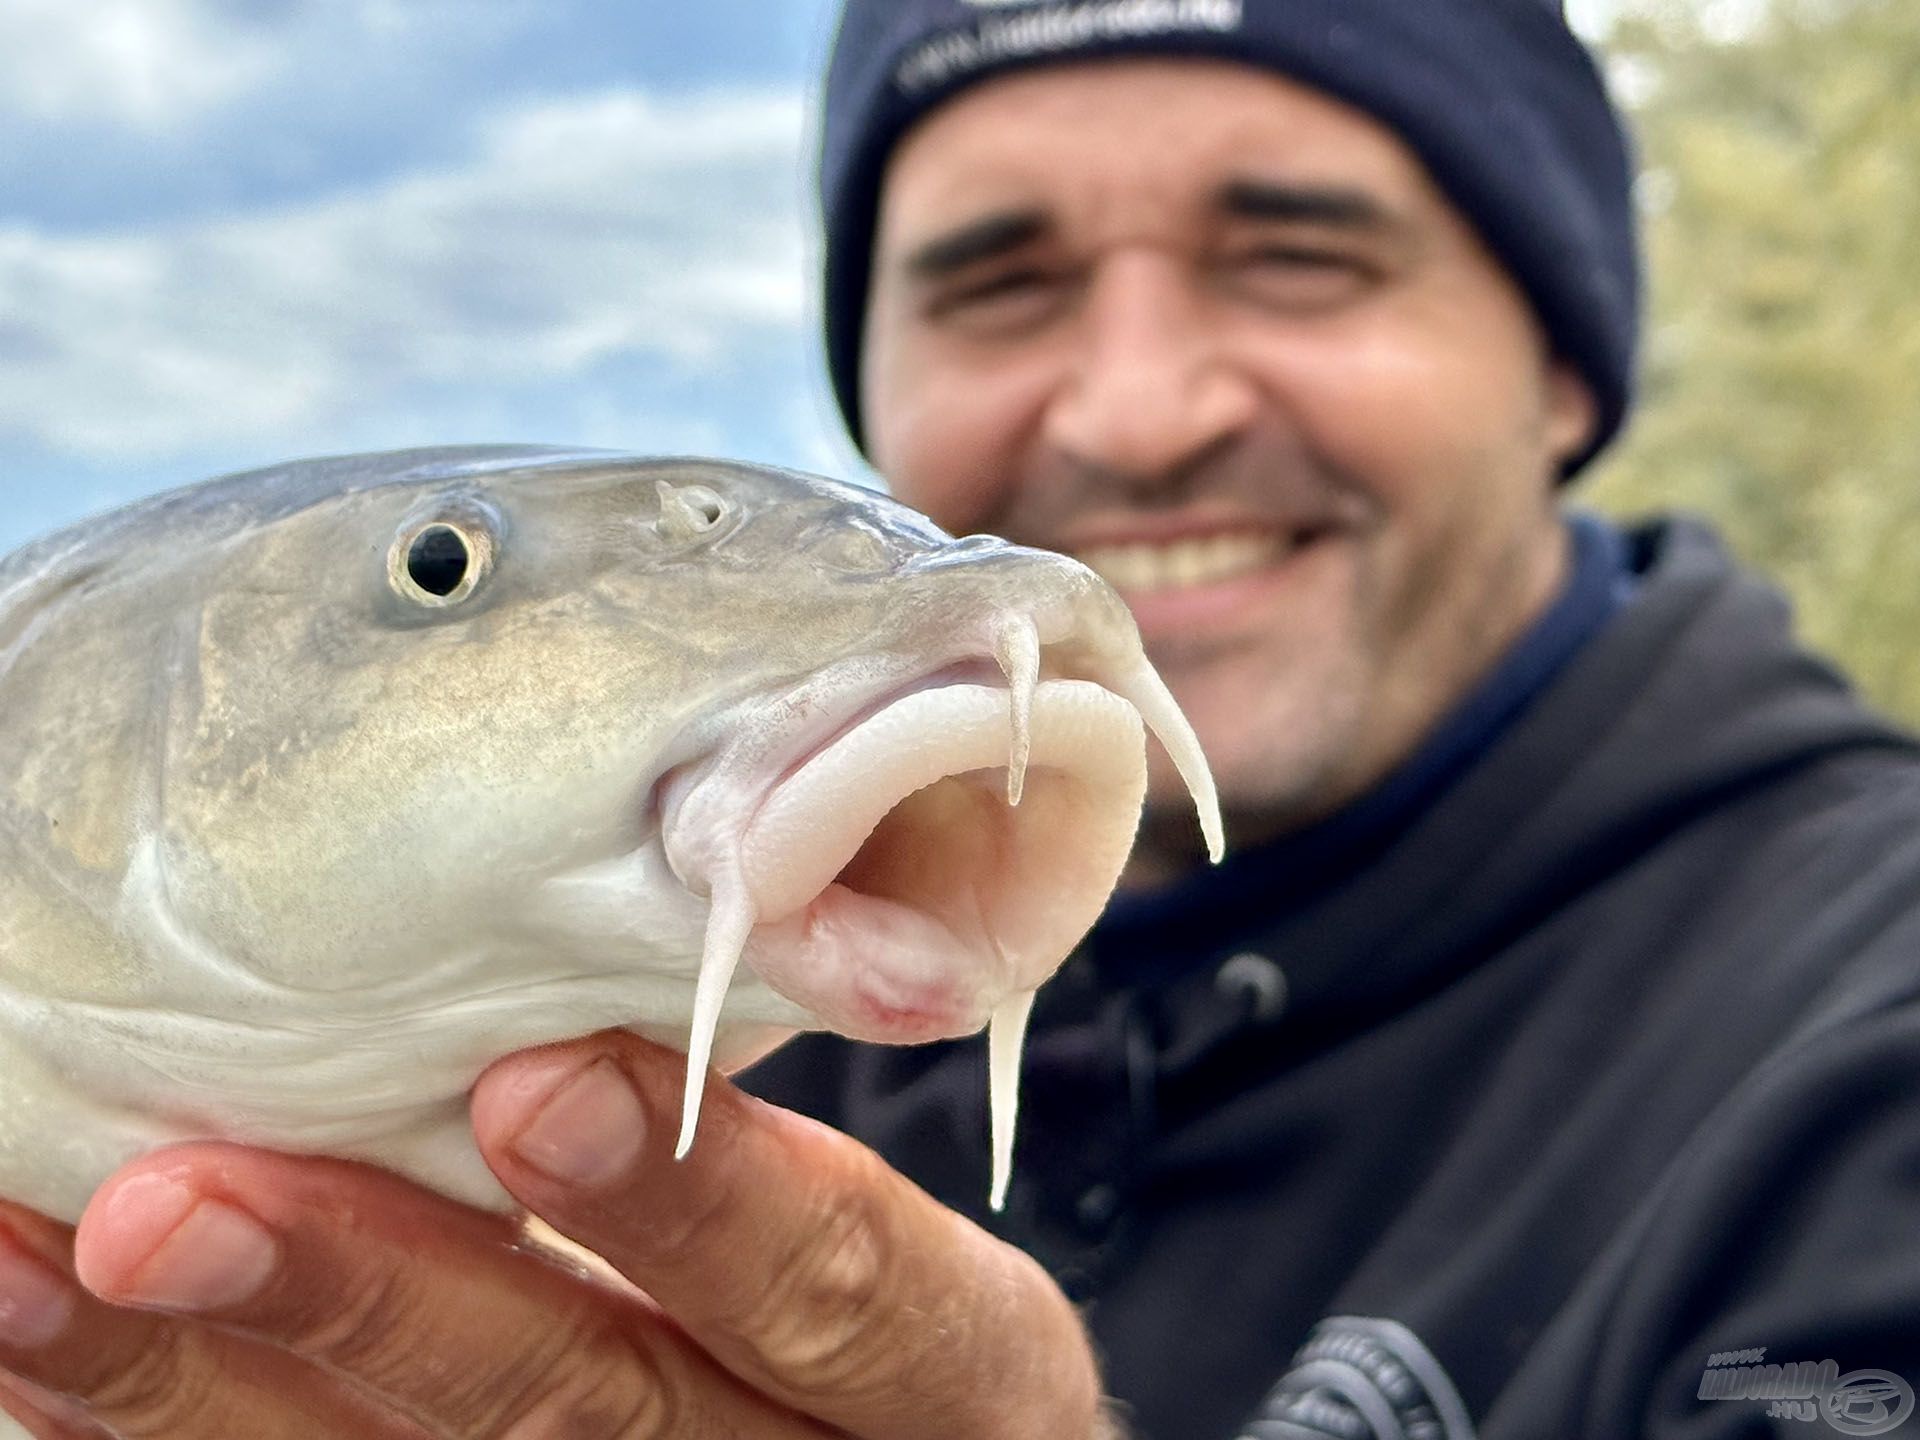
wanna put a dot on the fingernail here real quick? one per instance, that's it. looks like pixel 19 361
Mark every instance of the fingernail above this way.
pixel 206 1253
pixel 590 1130
pixel 35 1302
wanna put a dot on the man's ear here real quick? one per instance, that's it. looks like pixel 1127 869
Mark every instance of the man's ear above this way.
pixel 1572 414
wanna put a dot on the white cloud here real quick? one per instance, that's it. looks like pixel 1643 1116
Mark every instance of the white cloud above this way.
pixel 145 63
pixel 582 231
pixel 157 66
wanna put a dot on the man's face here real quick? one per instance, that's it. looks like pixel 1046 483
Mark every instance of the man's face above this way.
pixel 1221 337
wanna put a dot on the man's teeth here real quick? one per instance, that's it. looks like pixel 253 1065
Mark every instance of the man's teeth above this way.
pixel 1183 562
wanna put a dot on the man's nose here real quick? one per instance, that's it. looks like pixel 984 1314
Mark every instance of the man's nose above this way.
pixel 1150 385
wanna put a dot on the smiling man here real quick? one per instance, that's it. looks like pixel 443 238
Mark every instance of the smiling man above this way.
pixel 1222 337
pixel 1545 1060
pixel 1569 898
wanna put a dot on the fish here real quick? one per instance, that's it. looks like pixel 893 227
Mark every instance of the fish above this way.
pixel 323 786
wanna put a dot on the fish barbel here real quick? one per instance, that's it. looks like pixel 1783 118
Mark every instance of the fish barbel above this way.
pixel 324 786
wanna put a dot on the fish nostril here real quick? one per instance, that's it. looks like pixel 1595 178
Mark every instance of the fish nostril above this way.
pixel 687 512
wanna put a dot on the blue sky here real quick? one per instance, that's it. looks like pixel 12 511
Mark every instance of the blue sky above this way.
pixel 237 231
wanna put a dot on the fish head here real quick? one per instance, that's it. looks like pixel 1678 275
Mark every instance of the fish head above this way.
pixel 481 729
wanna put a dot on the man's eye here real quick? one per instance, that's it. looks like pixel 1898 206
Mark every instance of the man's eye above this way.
pixel 1008 299
pixel 1299 277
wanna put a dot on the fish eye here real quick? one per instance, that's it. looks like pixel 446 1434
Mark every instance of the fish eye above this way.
pixel 439 563
pixel 437 560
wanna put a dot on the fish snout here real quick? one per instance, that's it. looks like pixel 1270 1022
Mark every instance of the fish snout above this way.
pixel 907 856
pixel 1043 617
pixel 980 586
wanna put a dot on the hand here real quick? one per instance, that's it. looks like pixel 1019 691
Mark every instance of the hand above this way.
pixel 793 1286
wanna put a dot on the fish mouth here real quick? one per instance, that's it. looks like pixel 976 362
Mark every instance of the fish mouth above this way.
pixel 901 893
pixel 920 869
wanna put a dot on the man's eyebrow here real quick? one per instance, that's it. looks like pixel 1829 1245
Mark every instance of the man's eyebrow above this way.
pixel 1334 205
pixel 977 240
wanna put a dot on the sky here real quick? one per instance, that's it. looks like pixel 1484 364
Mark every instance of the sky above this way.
pixel 233 232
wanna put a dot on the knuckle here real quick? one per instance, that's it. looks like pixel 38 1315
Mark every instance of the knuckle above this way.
pixel 568 1378
pixel 163 1388
pixel 821 1318
pixel 602 1402
pixel 362 1327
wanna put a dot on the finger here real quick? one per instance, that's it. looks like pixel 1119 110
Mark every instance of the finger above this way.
pixel 44 1415
pixel 428 1305
pixel 140 1376
pixel 793 1254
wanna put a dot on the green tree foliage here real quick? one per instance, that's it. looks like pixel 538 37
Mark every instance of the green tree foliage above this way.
pixel 1781 392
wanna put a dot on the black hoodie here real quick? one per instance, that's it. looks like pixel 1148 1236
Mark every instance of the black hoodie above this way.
pixel 1603 1065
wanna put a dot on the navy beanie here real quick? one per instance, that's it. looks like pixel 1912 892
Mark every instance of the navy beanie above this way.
pixel 1498 98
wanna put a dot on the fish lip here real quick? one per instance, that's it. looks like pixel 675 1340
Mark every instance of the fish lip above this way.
pixel 970 671
pixel 807 737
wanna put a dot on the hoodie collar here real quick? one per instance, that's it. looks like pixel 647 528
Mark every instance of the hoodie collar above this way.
pixel 1210 909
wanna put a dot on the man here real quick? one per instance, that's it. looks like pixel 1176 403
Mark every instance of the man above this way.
pixel 1475 1090
pixel 1547 1048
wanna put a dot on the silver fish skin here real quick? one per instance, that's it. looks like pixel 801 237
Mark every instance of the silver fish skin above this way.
pixel 324 786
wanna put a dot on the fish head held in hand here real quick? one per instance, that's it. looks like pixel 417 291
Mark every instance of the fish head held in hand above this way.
pixel 326 785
